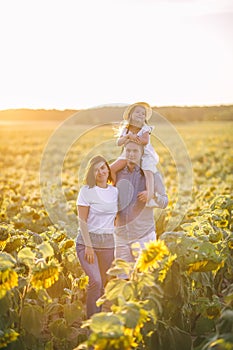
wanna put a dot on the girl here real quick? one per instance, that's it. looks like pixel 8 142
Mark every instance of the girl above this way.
pixel 135 128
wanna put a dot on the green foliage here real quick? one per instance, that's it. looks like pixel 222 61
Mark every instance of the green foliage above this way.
pixel 183 307
pixel 47 305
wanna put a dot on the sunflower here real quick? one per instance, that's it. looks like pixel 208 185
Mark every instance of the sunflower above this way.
pixel 197 266
pixel 230 243
pixel 153 252
pixel 205 265
pixel 7 337
pixel 45 276
pixel 8 280
pixel 82 282
pixel 167 265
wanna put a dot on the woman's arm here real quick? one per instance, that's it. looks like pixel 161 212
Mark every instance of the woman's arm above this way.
pixel 83 212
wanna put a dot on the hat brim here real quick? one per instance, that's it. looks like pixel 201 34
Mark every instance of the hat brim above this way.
pixel 147 107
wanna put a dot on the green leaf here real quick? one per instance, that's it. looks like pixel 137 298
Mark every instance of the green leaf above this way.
pixel 114 288
pixel 60 329
pixel 57 289
pixel 32 319
pixel 5 304
pixel 145 280
pixel 53 309
pixel 226 322
pixel 26 255
pixel 153 305
pixel 106 323
pixel 128 291
pixel 46 249
pixel 204 325
pixel 203 278
pixel 72 312
pixel 131 316
pixel 6 260
pixel 177 339
pixel 121 267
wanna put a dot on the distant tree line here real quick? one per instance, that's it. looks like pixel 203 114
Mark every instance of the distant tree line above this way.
pixel 114 114
pixel 204 113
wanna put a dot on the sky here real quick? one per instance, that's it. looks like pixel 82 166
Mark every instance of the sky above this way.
pixel 74 54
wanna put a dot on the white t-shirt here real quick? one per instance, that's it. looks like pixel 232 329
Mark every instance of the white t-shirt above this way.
pixel 103 203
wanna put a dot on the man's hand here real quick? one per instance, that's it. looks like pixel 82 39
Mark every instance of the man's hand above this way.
pixel 89 255
pixel 143 196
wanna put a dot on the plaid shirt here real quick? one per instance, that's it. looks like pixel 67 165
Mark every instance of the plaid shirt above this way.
pixel 134 220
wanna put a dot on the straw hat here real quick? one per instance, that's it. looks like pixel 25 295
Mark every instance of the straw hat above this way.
pixel 142 104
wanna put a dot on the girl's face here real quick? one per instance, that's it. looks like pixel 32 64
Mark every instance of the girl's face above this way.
pixel 138 116
pixel 101 173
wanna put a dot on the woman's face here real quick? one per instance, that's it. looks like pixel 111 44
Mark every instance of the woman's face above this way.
pixel 101 172
pixel 138 116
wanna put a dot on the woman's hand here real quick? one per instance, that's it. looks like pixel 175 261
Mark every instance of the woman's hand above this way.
pixel 89 255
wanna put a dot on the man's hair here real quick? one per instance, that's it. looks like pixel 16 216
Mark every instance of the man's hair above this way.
pixel 140 146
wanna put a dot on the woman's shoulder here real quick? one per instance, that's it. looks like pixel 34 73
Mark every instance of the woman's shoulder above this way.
pixel 85 195
pixel 85 188
pixel 113 188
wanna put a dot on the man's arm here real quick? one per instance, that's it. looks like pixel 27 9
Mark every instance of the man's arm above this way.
pixel 161 197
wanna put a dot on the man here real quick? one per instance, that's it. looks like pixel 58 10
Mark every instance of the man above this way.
pixel 135 221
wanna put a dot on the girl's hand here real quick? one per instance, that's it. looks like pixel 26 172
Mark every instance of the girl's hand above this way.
pixel 132 137
pixel 89 255
pixel 143 196
pixel 138 140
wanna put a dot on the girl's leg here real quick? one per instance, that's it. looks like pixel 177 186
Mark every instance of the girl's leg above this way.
pixel 116 166
pixel 149 183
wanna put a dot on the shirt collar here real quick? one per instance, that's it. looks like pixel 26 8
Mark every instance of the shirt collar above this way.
pixel 136 169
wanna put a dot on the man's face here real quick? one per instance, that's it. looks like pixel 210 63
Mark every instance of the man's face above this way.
pixel 133 153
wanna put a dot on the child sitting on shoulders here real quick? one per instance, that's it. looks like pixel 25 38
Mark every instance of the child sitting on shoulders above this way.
pixel 135 128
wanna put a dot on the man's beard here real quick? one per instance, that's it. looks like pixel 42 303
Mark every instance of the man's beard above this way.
pixel 131 162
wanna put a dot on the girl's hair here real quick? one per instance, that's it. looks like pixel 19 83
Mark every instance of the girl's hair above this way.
pixel 130 113
pixel 89 178
pixel 126 123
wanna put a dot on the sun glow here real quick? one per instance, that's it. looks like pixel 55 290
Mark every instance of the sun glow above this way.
pixel 84 54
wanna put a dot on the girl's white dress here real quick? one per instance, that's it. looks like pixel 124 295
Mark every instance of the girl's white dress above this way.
pixel 150 158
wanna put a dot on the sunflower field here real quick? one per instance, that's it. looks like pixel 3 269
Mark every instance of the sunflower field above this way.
pixel 179 294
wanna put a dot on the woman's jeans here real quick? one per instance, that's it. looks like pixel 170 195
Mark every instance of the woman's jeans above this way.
pixel 103 258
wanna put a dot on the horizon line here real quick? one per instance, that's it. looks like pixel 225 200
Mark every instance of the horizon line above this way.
pixel 114 105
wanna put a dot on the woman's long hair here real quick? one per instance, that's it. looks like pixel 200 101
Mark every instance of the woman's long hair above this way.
pixel 89 178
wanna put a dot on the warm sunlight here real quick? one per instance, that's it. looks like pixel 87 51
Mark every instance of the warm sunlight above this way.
pixel 116 174
pixel 86 54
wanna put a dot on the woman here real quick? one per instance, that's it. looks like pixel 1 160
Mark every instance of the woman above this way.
pixel 97 208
